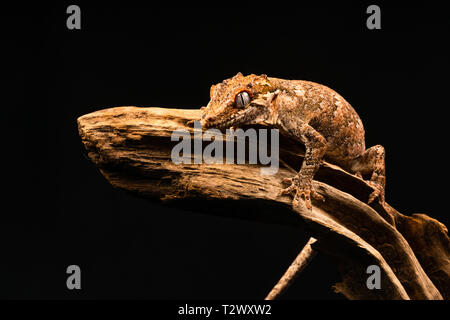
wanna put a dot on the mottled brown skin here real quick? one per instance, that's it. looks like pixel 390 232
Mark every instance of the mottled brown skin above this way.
pixel 311 113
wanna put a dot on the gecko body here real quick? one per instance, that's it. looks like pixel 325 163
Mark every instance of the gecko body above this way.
pixel 312 114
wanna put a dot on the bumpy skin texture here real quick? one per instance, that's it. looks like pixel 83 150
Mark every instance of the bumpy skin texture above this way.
pixel 311 113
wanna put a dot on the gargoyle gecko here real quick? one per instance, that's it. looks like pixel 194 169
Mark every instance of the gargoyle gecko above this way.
pixel 312 114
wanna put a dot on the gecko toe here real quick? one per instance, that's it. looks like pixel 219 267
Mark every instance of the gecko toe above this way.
pixel 305 195
pixel 317 196
pixel 374 195
pixel 378 193
pixel 288 191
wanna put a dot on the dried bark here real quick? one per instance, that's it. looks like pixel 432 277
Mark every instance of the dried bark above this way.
pixel 132 148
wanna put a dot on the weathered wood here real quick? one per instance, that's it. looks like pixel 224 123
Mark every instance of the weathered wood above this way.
pixel 132 148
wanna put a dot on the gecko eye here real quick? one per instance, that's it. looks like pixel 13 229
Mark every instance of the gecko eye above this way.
pixel 242 99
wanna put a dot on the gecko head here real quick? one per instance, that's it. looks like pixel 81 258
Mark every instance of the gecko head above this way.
pixel 237 101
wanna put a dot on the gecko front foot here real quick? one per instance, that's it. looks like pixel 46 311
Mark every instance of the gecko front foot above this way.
pixel 300 189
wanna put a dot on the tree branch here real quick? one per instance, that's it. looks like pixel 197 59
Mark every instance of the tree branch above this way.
pixel 132 148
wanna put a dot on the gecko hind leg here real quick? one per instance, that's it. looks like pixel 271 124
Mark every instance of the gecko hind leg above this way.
pixel 371 162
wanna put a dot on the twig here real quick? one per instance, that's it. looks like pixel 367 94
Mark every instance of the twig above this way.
pixel 301 261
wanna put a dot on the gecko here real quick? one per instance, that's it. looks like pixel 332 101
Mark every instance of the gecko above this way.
pixel 310 113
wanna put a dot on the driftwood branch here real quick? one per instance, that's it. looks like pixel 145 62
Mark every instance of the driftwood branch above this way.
pixel 132 149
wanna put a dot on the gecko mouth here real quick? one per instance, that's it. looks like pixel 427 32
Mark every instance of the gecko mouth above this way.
pixel 244 116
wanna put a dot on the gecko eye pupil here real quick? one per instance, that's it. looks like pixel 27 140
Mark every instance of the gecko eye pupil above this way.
pixel 242 99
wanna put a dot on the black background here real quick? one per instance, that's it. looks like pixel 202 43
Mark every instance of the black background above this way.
pixel 58 209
